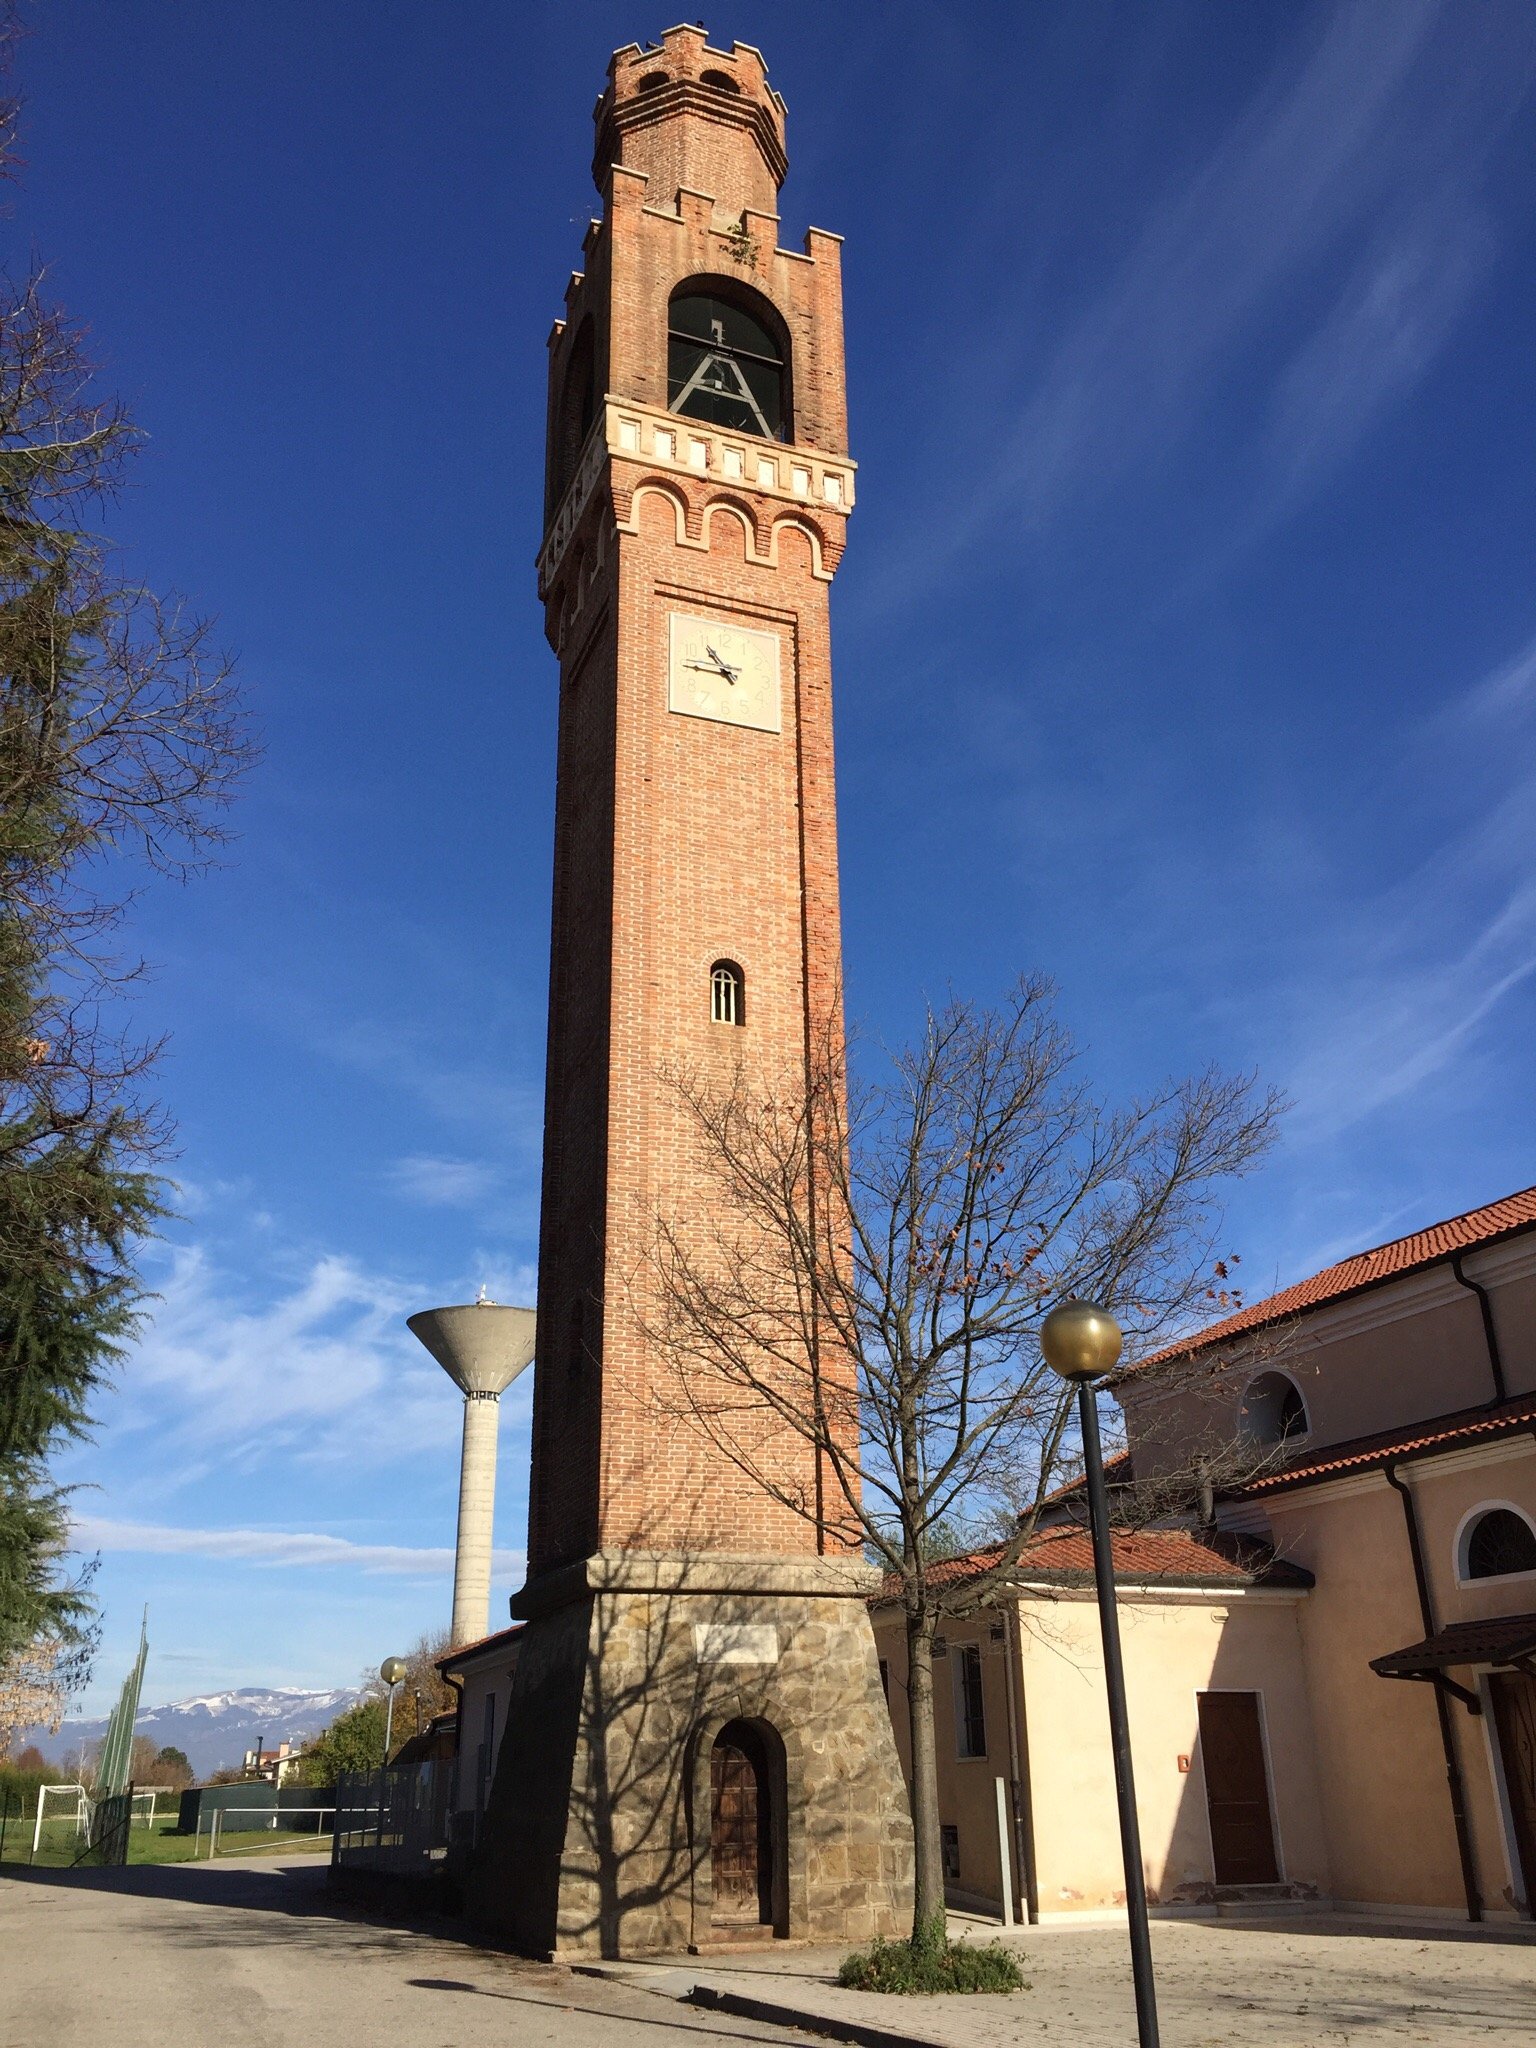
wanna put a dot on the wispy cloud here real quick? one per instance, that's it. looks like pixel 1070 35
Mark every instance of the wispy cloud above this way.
pixel 459 1092
pixel 1415 970
pixel 443 1183
pixel 285 1549
pixel 1284 292
pixel 316 1366
pixel 1392 317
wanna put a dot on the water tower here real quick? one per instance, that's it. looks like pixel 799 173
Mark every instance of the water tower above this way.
pixel 482 1347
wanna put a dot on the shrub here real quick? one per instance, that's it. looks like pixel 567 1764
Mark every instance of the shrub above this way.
pixel 943 1966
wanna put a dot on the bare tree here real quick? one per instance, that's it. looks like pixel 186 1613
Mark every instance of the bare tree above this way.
pixel 423 1691
pixel 873 1277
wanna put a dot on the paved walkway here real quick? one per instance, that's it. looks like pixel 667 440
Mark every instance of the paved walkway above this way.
pixel 256 1954
pixel 1296 1983
pixel 253 1954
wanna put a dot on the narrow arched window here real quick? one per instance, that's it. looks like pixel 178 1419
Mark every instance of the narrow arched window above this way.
pixel 727 993
pixel 1498 1544
pixel 574 414
pixel 725 365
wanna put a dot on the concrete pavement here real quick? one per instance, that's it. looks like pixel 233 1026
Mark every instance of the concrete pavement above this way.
pixel 256 1954
pixel 253 1954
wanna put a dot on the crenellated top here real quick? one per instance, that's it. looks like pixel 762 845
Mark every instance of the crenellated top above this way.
pixel 685 114
pixel 686 308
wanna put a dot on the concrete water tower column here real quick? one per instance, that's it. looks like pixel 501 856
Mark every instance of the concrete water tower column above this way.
pixel 482 1347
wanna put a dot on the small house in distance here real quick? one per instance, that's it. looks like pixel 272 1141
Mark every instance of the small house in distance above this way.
pixel 1331 1666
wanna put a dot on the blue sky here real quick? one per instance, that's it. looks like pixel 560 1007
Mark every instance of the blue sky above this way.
pixel 1186 647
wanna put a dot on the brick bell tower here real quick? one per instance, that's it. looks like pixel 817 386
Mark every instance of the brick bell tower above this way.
pixel 697 1745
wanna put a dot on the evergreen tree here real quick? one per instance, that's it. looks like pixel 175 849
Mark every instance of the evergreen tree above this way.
pixel 119 746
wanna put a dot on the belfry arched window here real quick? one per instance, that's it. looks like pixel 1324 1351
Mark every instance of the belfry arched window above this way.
pixel 1273 1412
pixel 727 993
pixel 725 365
pixel 1495 1543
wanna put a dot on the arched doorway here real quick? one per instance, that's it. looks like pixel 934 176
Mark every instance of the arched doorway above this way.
pixel 741 1831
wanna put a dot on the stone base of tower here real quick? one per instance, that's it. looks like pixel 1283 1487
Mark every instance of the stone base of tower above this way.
pixel 615 1828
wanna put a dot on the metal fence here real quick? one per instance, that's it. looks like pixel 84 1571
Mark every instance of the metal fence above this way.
pixel 111 1820
pixel 396 1821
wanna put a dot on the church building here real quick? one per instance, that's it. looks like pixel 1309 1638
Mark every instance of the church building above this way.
pixel 1330 1660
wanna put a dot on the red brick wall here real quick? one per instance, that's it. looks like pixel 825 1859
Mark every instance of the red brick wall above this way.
pixel 679 841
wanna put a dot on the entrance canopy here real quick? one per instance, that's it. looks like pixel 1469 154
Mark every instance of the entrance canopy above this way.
pixel 1503 1639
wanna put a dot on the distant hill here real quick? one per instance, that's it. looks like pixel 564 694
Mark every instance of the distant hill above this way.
pixel 216 1730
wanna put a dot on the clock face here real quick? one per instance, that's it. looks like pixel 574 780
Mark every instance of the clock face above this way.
pixel 729 673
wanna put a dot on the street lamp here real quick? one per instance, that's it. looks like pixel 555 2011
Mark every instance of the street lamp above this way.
pixel 392 1670
pixel 1081 1343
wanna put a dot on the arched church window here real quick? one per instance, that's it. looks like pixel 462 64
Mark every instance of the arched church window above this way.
pixel 724 365
pixel 1497 1544
pixel 1273 1412
pixel 727 993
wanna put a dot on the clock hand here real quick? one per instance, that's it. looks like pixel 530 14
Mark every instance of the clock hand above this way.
pixel 724 667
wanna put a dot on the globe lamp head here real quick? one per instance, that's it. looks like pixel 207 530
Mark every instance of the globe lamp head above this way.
pixel 1079 1341
pixel 393 1669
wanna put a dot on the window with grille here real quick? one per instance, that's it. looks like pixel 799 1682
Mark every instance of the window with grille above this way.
pixel 949 1852
pixel 727 993
pixel 970 1704
pixel 1498 1544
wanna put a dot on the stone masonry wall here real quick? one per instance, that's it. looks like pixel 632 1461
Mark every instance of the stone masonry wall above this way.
pixel 633 1789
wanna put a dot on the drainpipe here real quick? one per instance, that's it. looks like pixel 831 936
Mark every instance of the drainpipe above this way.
pixel 1490 1334
pixel 1442 1711
pixel 458 1733
pixel 1018 1764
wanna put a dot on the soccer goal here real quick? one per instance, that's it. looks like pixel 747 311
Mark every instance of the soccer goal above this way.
pixel 248 1830
pixel 76 1803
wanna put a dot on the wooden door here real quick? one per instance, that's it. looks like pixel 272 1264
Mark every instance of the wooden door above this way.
pixel 1514 1716
pixel 1237 1789
pixel 739 1824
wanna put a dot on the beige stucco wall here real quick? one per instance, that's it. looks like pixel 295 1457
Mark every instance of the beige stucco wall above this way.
pixel 1394 1356
pixel 1173 1648
pixel 1385 1800
pixel 490 1678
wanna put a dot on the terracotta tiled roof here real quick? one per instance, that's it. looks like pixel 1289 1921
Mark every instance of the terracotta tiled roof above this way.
pixel 502 1635
pixel 1417 1440
pixel 1368 1269
pixel 1117 1472
pixel 1176 1557
pixel 1499 1639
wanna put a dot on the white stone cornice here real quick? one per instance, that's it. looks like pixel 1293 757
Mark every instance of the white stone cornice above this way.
pixel 670 444
pixel 1153 1589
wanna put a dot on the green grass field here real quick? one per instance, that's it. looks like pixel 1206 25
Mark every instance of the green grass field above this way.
pixel 60 1843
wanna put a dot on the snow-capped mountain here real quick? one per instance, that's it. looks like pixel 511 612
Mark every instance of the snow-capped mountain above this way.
pixel 216 1729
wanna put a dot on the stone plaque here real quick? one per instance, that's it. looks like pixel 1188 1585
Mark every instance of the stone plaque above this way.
pixel 735 1642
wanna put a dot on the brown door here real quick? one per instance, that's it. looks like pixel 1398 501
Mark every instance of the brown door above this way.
pixel 740 1860
pixel 1514 1716
pixel 1237 1788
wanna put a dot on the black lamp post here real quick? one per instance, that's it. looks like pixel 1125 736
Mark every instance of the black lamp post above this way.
pixel 392 1670
pixel 1081 1343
